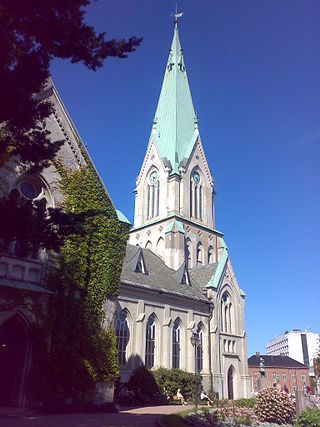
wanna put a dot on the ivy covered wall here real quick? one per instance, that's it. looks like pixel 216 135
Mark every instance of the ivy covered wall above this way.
pixel 86 271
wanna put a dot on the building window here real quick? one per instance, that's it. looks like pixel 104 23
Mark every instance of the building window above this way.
pixel 303 377
pixel 153 195
pixel 294 388
pixel 176 344
pixel 199 254
pixel 188 253
pixel 284 376
pixel 196 196
pixel 275 376
pixel 150 342
pixel 226 313
pixel 199 350
pixel 293 376
pixel 210 255
pixel 122 335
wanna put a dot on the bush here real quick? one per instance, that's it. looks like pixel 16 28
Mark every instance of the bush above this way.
pixel 157 386
pixel 143 387
pixel 169 380
pixel 274 406
pixel 245 403
pixel 309 418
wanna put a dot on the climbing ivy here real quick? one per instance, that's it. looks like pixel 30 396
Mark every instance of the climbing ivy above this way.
pixel 85 272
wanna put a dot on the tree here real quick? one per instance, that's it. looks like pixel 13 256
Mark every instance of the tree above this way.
pixel 32 33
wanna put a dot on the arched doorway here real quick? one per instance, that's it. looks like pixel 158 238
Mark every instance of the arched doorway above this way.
pixel 13 355
pixel 230 383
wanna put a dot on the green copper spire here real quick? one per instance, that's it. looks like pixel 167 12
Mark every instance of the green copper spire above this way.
pixel 175 128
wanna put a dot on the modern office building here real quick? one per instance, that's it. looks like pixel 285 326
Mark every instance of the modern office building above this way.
pixel 299 345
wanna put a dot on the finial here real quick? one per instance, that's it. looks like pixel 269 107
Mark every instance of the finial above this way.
pixel 176 16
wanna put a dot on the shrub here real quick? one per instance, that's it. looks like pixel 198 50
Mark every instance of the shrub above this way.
pixel 309 418
pixel 274 406
pixel 143 386
pixel 157 386
pixel 169 380
pixel 245 403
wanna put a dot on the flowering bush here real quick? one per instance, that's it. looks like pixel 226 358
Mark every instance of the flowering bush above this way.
pixel 273 405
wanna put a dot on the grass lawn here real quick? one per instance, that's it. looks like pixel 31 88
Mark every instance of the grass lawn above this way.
pixel 176 420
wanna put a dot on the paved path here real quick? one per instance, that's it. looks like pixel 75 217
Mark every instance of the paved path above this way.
pixel 130 417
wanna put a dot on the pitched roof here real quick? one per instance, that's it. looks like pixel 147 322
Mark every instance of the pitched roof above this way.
pixel 175 127
pixel 203 274
pixel 159 277
pixel 275 361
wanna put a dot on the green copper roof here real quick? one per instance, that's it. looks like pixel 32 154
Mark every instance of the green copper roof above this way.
pixel 214 281
pixel 122 217
pixel 174 226
pixel 175 128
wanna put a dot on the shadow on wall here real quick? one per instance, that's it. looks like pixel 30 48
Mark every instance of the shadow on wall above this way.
pixel 141 387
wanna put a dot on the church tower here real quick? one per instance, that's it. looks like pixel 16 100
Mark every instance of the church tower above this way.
pixel 174 194
pixel 177 277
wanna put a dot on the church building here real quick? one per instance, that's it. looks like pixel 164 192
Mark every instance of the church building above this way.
pixel 177 278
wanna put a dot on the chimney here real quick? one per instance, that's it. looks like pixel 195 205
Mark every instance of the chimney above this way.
pixel 282 355
pixel 258 353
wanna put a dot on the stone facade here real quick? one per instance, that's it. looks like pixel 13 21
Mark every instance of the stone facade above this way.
pixel 177 277
pixel 22 286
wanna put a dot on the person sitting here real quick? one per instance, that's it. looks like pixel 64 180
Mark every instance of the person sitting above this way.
pixel 180 397
pixel 204 396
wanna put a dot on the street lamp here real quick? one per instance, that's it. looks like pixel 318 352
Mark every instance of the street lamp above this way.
pixel 196 342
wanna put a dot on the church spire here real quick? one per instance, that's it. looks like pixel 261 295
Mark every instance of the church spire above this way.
pixel 174 127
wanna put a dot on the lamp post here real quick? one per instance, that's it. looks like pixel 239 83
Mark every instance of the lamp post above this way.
pixel 195 341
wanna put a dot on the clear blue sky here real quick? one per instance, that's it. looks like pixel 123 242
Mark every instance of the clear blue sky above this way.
pixel 254 73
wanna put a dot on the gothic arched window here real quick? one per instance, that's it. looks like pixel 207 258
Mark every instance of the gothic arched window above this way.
pixel 150 341
pixel 176 344
pixel 199 254
pixel 210 255
pixel 199 349
pixel 196 196
pixel 188 250
pixel 153 195
pixel 160 247
pixel 226 313
pixel 122 335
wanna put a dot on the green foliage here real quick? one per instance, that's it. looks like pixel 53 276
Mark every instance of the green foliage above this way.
pixel 245 403
pixel 169 380
pixel 85 272
pixel 31 36
pixel 309 418
pixel 143 387
pixel 160 385
pixel 274 406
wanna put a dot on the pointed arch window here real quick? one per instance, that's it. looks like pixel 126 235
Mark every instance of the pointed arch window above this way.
pixel 176 344
pixel 210 255
pixel 226 313
pixel 150 342
pixel 196 196
pixel 199 254
pixel 153 195
pixel 199 349
pixel 122 335
pixel 188 253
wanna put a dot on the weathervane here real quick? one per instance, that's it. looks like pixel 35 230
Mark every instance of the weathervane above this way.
pixel 176 15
